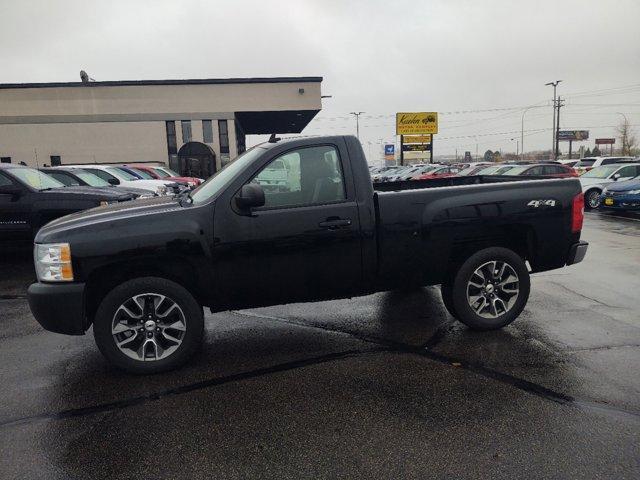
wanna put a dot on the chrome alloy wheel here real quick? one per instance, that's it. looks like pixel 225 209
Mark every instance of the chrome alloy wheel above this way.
pixel 593 199
pixel 493 289
pixel 148 327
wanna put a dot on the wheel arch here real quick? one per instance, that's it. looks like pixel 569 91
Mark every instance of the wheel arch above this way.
pixel 105 278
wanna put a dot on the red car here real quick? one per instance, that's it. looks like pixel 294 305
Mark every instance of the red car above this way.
pixel 543 170
pixel 160 172
pixel 441 172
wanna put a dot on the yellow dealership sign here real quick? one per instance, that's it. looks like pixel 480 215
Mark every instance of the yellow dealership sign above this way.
pixel 417 123
pixel 417 139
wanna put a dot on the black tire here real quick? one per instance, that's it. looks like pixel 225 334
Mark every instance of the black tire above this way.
pixel 189 311
pixel 592 199
pixel 516 303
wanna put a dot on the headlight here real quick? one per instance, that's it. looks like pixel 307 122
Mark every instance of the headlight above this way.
pixel 53 262
pixel 161 190
pixel 634 192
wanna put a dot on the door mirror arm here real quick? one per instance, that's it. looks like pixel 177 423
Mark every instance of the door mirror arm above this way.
pixel 250 196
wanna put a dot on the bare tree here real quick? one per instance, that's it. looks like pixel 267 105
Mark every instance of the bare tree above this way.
pixel 627 138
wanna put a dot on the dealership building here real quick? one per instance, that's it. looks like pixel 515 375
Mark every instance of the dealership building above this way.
pixel 195 126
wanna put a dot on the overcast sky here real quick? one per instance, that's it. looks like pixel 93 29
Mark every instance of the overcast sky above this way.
pixel 379 57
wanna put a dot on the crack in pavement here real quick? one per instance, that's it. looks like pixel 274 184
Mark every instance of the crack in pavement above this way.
pixel 479 369
pixel 139 400
pixel 382 344
pixel 583 296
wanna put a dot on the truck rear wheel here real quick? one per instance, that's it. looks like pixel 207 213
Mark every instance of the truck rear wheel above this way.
pixel 490 289
pixel 148 325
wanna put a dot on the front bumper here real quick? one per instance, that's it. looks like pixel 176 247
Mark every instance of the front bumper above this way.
pixel 620 201
pixel 58 308
pixel 577 252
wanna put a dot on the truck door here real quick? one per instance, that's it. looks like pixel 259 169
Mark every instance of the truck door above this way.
pixel 304 244
pixel 15 211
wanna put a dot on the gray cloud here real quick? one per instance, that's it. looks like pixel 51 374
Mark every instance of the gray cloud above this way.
pixel 378 57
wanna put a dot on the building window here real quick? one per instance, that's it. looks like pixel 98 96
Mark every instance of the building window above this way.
pixel 172 146
pixel 207 131
pixel 56 161
pixel 224 136
pixel 240 139
pixel 5 159
pixel 186 131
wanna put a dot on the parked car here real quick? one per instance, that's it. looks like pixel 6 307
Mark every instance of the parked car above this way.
pixel 172 186
pixel 117 176
pixel 595 180
pixel 568 163
pixel 406 172
pixel 230 244
pixel 77 177
pixel 621 195
pixel 541 170
pixel 587 163
pixel 384 173
pixel 440 172
pixel 30 198
pixel 495 169
pixel 474 168
pixel 160 172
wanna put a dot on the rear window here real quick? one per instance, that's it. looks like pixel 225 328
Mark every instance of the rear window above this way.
pixel 584 163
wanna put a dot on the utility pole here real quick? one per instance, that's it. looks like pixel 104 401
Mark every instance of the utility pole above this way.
pixel 357 115
pixel 553 130
pixel 557 145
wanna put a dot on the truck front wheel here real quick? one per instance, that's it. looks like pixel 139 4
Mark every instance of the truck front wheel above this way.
pixel 148 325
pixel 490 289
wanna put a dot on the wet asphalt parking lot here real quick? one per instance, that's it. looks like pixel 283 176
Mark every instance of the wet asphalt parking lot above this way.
pixel 383 386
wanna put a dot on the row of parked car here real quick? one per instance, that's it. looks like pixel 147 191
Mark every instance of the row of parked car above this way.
pixel 30 198
pixel 597 176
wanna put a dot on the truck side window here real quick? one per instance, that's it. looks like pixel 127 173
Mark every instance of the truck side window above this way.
pixel 306 176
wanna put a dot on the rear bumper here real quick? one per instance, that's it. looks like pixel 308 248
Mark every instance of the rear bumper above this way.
pixel 577 252
pixel 58 308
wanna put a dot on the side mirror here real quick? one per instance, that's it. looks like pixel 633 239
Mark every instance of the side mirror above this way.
pixel 251 196
pixel 13 190
pixel 113 181
pixel 616 177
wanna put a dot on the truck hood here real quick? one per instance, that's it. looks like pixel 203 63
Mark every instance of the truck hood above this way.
pixel 108 213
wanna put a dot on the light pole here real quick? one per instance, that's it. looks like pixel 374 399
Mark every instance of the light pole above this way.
pixel 357 115
pixel 517 145
pixel 522 130
pixel 553 133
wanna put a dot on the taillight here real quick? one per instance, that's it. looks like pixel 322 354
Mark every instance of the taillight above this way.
pixel 577 213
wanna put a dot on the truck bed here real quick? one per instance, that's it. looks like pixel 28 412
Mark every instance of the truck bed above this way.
pixel 422 228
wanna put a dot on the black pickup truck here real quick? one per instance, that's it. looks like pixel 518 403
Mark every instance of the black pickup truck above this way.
pixel 142 273
pixel 29 199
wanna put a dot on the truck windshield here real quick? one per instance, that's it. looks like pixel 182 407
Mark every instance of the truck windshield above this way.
pixel 216 183
pixel 36 179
